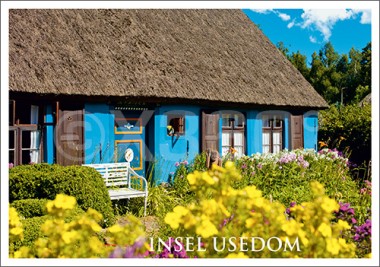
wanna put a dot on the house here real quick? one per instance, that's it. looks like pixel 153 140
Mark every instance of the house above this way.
pixel 85 85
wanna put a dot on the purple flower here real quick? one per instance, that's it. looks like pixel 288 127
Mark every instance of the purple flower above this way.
pixel 185 162
pixel 10 165
pixel 244 166
pixel 259 166
pixel 175 250
pixel 176 164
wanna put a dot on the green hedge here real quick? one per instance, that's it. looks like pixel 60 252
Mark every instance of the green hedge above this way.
pixel 29 208
pixel 44 181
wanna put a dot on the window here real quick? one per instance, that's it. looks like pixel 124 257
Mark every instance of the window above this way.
pixel 233 127
pixel 175 125
pixel 24 137
pixel 272 134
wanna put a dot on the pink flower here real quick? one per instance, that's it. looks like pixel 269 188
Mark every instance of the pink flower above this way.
pixel 10 165
pixel 176 164
pixel 185 162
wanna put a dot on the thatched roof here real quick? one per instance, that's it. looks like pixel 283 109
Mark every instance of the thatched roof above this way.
pixel 213 55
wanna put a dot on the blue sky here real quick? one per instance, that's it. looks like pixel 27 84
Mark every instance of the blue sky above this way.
pixel 307 30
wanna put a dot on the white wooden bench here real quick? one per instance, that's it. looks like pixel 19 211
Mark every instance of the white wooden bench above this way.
pixel 123 182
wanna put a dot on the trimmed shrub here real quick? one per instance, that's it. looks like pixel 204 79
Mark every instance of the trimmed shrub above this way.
pixel 29 208
pixel 44 181
pixel 32 231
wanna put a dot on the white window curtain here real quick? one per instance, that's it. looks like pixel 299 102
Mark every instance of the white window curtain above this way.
pixel 238 142
pixel 34 136
pixel 276 142
pixel 225 143
pixel 266 142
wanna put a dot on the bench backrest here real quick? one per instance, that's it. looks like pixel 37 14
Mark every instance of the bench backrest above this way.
pixel 114 174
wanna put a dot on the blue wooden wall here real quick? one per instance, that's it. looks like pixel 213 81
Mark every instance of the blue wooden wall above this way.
pixel 98 134
pixel 171 149
pixel 165 150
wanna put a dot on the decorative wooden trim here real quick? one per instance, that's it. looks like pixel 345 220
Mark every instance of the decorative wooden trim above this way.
pixel 140 167
pixel 129 132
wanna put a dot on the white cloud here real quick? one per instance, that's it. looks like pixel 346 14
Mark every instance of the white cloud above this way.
pixel 262 11
pixel 323 20
pixel 283 16
pixel 312 39
pixel 291 24
pixel 365 17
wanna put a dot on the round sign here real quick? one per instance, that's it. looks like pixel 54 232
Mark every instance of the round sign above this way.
pixel 128 155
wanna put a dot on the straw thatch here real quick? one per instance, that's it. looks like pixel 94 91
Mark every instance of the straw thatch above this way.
pixel 212 55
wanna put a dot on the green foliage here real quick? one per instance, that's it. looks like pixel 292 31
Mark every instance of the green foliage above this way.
pixel 244 213
pixel 347 127
pixel 29 208
pixel 32 225
pixel 290 181
pixel 59 234
pixel 336 77
pixel 44 181
pixel 161 199
pixel 32 231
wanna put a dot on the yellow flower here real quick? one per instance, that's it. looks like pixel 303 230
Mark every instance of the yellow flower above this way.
pixel 175 218
pixel 68 237
pixel 332 246
pixel 317 188
pixel 206 228
pixel 237 255
pixel 325 230
pixel 329 205
pixel 115 228
pixel 343 225
pixel 61 201
pixel 250 222
pixel 291 227
pixel 322 144
pixel 252 192
pixel 21 253
pixel 209 206
pixel 230 165
pixel 16 231
pixel 192 178
pixel 233 150
pixel 207 178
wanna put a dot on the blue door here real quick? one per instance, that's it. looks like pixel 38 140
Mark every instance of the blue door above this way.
pixel 130 133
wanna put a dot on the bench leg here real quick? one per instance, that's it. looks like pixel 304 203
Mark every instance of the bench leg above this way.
pixel 145 202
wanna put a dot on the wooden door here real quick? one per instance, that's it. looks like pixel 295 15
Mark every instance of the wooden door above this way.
pixel 210 131
pixel 130 133
pixel 296 131
pixel 69 137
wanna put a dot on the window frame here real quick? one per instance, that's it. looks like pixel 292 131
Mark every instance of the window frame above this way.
pixel 232 128
pixel 271 129
pixel 181 124
pixel 18 129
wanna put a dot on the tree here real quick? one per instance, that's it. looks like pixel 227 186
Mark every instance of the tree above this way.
pixel 299 61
